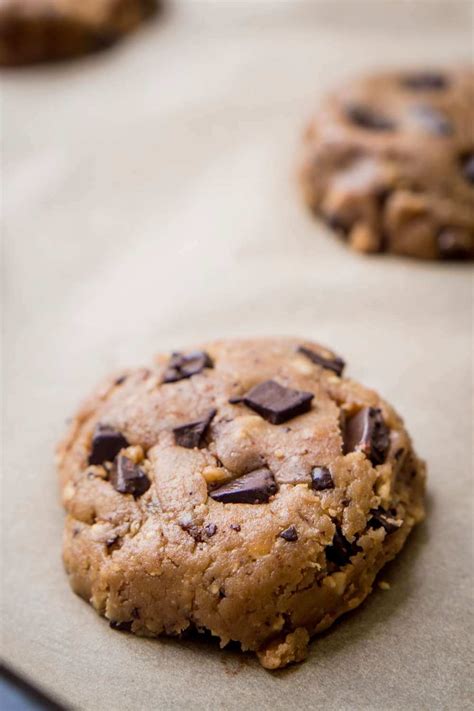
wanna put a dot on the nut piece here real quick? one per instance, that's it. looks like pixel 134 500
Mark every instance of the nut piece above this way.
pixel 135 453
pixel 282 651
pixel 216 474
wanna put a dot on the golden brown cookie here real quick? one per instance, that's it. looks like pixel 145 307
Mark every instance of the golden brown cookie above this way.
pixel 389 163
pixel 48 30
pixel 246 488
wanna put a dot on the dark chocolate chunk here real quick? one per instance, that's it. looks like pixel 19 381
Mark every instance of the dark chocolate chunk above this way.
pixel 432 120
pixel 454 243
pixel 127 478
pixel 384 519
pixel 335 363
pixel 276 403
pixel 210 529
pixel 321 479
pixel 106 444
pixel 365 117
pixel 289 534
pixel 194 531
pixel 467 165
pixel 425 80
pixel 367 432
pixel 253 488
pixel 188 525
pixel 235 527
pixel 113 543
pixel 190 434
pixel 121 626
pixel 182 365
pixel 337 223
pixel 341 551
pixel 381 195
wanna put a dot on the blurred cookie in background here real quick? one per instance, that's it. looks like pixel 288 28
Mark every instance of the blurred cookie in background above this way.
pixel 33 31
pixel 388 163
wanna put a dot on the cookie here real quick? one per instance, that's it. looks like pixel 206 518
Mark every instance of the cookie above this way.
pixel 246 489
pixel 388 163
pixel 47 30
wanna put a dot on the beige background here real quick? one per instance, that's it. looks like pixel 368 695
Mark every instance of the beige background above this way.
pixel 148 202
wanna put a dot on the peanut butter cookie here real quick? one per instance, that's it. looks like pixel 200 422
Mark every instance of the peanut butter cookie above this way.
pixel 389 163
pixel 245 488
pixel 47 30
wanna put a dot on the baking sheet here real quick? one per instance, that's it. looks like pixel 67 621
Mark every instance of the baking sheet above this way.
pixel 149 203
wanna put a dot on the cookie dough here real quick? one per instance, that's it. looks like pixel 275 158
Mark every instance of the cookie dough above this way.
pixel 46 30
pixel 246 489
pixel 388 163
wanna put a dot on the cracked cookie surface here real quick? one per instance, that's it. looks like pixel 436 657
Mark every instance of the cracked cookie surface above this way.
pixel 388 163
pixel 246 488
pixel 47 30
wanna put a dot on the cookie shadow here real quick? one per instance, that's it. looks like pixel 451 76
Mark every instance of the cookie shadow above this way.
pixel 233 660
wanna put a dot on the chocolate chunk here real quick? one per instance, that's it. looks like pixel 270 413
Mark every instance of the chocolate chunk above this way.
pixel 467 165
pixel 289 534
pixel 106 444
pixel 183 365
pixel 384 519
pixel 121 626
pixel 190 434
pixel 276 403
pixel 321 479
pixel 235 527
pixel 127 478
pixel 341 551
pixel 367 432
pixel 381 195
pixel 187 523
pixel 365 117
pixel 337 223
pixel 253 488
pixel 432 120
pixel 425 80
pixel 210 529
pixel 193 530
pixel 454 243
pixel 335 363
pixel 113 543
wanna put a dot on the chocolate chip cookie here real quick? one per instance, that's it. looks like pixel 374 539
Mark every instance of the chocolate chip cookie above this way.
pixel 47 30
pixel 389 163
pixel 246 488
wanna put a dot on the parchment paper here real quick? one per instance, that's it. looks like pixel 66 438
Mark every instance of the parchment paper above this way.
pixel 149 202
